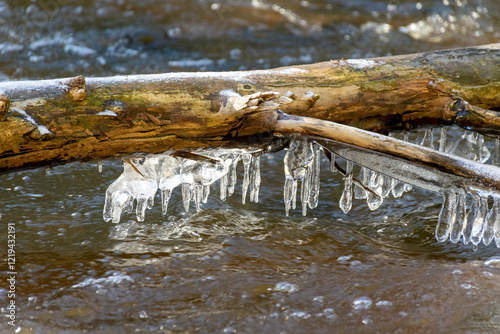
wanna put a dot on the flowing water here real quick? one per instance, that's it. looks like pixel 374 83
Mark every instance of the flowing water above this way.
pixel 232 268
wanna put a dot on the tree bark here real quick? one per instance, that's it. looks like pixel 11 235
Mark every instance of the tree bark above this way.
pixel 79 119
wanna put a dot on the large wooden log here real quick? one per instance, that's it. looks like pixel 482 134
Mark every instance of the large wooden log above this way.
pixel 80 119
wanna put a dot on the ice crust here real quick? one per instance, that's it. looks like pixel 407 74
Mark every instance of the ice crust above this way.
pixel 470 213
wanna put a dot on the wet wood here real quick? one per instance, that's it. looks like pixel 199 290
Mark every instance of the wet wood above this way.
pixel 80 119
pixel 448 172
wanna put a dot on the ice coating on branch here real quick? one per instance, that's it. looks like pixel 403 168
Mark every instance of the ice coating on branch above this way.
pixel 470 146
pixel 141 178
pixel 470 211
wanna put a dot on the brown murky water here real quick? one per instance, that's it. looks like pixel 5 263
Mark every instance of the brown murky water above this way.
pixel 232 268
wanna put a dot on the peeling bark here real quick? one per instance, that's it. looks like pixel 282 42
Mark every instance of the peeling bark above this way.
pixel 80 119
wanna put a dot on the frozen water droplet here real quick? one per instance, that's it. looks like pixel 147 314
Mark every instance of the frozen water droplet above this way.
pixel 346 198
pixel 447 216
pixel 99 166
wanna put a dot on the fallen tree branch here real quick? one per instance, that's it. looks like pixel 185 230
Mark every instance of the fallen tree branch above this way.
pixel 416 165
pixel 80 119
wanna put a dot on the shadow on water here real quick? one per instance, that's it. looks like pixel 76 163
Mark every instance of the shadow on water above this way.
pixel 231 267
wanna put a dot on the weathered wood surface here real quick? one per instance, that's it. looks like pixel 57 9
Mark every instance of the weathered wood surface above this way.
pixel 57 121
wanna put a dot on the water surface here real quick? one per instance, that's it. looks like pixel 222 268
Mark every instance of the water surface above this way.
pixel 233 268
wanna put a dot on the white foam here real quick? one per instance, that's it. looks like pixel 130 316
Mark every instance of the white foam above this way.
pixel 115 279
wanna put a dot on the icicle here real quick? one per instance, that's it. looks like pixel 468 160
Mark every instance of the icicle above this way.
pixel 398 188
pixel 469 219
pixel 223 187
pixel 298 166
pixel 428 140
pixel 233 175
pixel 456 231
pixel 346 199
pixel 442 140
pixel 315 182
pixel 374 201
pixel 496 225
pixel 483 153
pixel 99 166
pixel 489 224
pixel 186 195
pixel 447 216
pixel 165 198
pixel 465 147
pixel 495 160
pixel 305 190
pixel 198 196
pixel 333 169
pixel 247 160
pixel 479 220
pixel 255 179
pixel 289 192
pixel 206 193
pixel 169 177
pixel 386 185
pixel 364 177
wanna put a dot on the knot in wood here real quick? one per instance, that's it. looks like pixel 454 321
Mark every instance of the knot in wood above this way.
pixel 77 89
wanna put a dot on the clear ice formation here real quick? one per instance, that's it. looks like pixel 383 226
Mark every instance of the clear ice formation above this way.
pixel 142 178
pixel 470 213
pixel 301 163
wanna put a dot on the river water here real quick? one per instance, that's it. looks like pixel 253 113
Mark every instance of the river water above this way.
pixel 232 268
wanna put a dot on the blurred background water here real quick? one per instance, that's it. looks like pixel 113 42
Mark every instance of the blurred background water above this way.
pixel 233 268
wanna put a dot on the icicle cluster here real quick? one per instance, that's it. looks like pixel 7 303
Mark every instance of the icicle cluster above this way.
pixel 471 223
pixel 142 178
pixel 468 215
pixel 302 164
